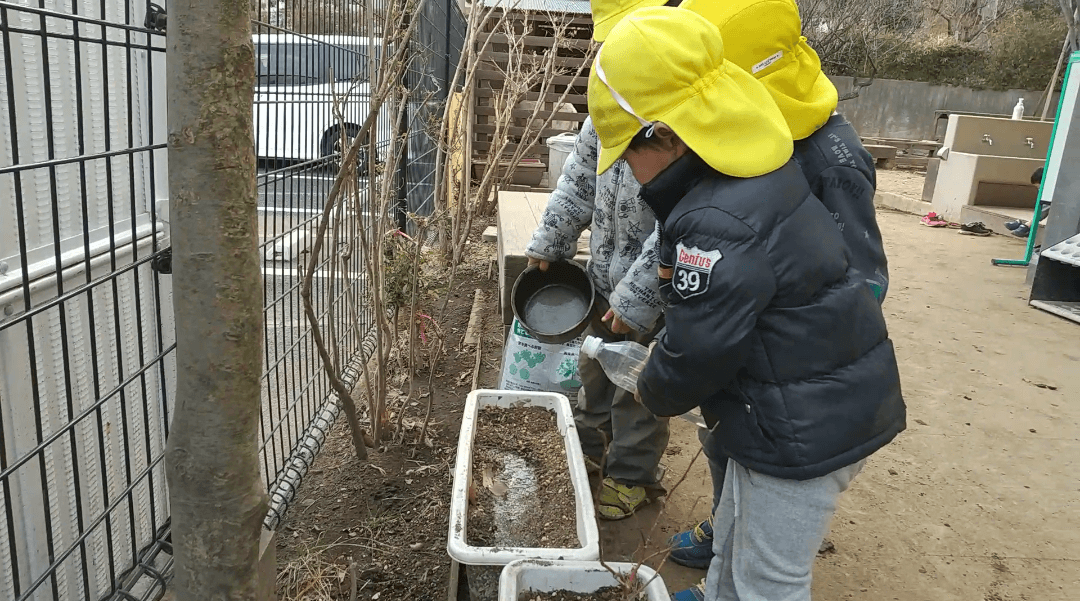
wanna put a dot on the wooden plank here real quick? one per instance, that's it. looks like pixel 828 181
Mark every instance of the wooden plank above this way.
pixel 452 584
pixel 880 152
pixel 470 137
pixel 549 97
pixel 494 75
pixel 540 154
pixel 529 189
pixel 519 215
pixel 539 17
pixel 517 220
pixel 483 128
pixel 532 41
pixel 912 162
pixel 503 58
pixel 484 147
pixel 542 114
pixel 457 156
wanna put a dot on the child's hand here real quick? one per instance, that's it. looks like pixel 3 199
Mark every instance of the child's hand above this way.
pixel 617 326
pixel 539 262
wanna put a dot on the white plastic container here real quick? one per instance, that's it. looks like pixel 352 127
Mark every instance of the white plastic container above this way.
pixel 483 582
pixel 621 361
pixel 574 576
pixel 559 149
pixel 1018 111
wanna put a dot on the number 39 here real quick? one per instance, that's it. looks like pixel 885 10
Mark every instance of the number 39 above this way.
pixel 689 281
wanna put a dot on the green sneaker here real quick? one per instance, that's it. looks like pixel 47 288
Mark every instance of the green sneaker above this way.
pixel 618 501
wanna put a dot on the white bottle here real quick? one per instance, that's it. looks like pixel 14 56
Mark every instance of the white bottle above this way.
pixel 622 361
pixel 1018 111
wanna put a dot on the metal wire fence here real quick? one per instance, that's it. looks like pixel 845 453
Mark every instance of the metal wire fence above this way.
pixel 87 369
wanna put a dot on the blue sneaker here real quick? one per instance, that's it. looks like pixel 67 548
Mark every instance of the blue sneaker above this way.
pixel 694 593
pixel 693 548
pixel 1012 225
pixel 1022 231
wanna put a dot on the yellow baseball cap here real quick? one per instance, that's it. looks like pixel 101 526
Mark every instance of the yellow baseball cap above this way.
pixel 764 38
pixel 607 13
pixel 667 64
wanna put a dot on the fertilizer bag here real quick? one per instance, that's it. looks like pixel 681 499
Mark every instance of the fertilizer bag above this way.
pixel 529 364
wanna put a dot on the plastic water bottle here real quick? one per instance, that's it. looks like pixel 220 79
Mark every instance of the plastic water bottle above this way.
pixel 622 361
pixel 1018 111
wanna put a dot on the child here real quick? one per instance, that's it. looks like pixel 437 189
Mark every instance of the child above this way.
pixel 768 326
pixel 763 37
pixel 622 268
pixel 1018 227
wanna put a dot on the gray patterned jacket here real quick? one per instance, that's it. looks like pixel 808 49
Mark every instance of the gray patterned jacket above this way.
pixel 623 244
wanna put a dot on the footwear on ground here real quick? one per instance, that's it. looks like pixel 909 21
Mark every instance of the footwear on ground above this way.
pixel 693 548
pixel 694 593
pixel 619 501
pixel 976 228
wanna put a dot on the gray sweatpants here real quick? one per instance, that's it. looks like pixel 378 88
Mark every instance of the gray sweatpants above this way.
pixel 638 438
pixel 768 531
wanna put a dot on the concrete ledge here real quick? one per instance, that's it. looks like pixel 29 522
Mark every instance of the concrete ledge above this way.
pixel 905 204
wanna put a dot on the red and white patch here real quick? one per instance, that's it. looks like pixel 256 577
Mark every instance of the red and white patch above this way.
pixel 693 268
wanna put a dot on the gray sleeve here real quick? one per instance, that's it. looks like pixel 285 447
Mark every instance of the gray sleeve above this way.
pixel 636 298
pixel 570 207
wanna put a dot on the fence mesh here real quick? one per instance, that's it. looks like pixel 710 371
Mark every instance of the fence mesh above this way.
pixel 87 368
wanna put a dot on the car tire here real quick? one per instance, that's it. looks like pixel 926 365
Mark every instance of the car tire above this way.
pixel 332 146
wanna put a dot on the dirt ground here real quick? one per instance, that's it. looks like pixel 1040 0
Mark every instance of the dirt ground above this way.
pixel 976 501
pixel 379 527
pixel 905 182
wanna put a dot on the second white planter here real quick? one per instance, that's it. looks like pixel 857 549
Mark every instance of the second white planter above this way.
pixel 574 576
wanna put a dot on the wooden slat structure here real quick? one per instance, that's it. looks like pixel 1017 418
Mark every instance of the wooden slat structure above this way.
pixel 911 154
pixel 535 30
pixel 519 216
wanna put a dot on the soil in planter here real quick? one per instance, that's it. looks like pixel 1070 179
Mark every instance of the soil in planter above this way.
pixel 610 593
pixel 522 494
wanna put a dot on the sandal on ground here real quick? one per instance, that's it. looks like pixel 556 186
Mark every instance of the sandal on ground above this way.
pixel 618 501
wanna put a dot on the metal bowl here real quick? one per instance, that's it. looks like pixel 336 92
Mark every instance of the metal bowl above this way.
pixel 554 306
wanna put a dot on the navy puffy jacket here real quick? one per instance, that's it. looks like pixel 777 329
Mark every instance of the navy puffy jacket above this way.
pixel 841 174
pixel 768 327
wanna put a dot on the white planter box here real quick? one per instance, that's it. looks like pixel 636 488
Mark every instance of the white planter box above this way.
pixel 587 531
pixel 574 576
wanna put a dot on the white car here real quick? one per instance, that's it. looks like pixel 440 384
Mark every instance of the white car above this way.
pixel 296 79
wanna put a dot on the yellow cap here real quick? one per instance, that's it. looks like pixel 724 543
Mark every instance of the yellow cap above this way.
pixel 607 13
pixel 667 64
pixel 764 38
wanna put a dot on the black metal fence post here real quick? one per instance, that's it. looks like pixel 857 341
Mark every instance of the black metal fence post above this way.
pixel 401 204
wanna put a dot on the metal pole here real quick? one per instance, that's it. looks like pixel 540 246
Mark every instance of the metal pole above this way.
pixel 401 210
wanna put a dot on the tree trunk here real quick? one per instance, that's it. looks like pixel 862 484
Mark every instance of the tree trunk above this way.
pixel 216 493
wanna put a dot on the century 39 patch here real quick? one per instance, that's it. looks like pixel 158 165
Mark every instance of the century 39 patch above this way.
pixel 693 267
